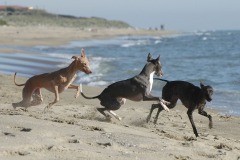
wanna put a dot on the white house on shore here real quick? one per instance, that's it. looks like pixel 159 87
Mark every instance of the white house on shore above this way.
pixel 14 10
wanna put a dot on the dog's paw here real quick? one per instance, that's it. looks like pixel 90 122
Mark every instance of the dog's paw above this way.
pixel 108 118
pixel 46 109
pixel 15 105
pixel 77 95
pixel 148 119
pixel 119 118
pixel 155 120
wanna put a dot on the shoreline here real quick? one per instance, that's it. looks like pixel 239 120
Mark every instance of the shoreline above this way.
pixel 54 36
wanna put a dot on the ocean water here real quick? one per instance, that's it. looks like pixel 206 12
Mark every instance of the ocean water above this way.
pixel 212 57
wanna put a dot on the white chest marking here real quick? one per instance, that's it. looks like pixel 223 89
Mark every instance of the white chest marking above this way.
pixel 151 81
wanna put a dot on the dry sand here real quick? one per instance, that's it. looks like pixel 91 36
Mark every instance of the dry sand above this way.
pixel 73 129
pixel 45 35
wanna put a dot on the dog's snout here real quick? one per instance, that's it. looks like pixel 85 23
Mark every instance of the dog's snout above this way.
pixel 160 74
pixel 209 99
pixel 89 72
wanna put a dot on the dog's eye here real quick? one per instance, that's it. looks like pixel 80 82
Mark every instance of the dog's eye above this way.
pixel 210 91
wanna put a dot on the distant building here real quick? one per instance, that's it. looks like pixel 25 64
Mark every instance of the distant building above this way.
pixel 16 10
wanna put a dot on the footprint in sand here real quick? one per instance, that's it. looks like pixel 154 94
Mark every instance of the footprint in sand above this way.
pixel 73 141
pixel 25 129
pixel 13 153
pixel 9 134
pixel 223 146
pixel 22 129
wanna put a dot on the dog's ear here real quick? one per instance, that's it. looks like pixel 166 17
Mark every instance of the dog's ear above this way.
pixel 74 57
pixel 202 85
pixel 149 57
pixel 82 53
pixel 158 58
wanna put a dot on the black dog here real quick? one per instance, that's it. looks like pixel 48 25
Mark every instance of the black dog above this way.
pixel 191 96
pixel 136 89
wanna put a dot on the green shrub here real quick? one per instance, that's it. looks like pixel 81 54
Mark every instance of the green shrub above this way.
pixel 39 17
pixel 2 22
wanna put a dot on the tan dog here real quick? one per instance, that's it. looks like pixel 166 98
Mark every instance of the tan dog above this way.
pixel 55 82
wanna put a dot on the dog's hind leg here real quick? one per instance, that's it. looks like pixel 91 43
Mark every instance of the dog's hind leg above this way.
pixel 160 108
pixel 115 115
pixel 101 110
pixel 37 97
pixel 204 113
pixel 171 105
pixel 154 106
pixel 110 104
pixel 189 113
pixel 23 103
pixel 26 101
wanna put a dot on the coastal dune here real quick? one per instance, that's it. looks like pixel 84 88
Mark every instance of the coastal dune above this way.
pixel 73 129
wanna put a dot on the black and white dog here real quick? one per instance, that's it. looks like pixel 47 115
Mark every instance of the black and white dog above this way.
pixel 137 88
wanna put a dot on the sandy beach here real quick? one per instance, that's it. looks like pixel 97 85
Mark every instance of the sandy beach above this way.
pixel 73 129
pixel 47 35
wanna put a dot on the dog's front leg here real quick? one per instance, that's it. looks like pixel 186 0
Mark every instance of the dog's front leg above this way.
pixel 189 113
pixel 204 113
pixel 56 97
pixel 149 97
pixel 75 87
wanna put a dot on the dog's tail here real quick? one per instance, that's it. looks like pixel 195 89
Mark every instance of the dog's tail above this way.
pixel 161 79
pixel 85 95
pixel 15 81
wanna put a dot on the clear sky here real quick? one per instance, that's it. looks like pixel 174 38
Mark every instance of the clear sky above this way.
pixel 181 15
